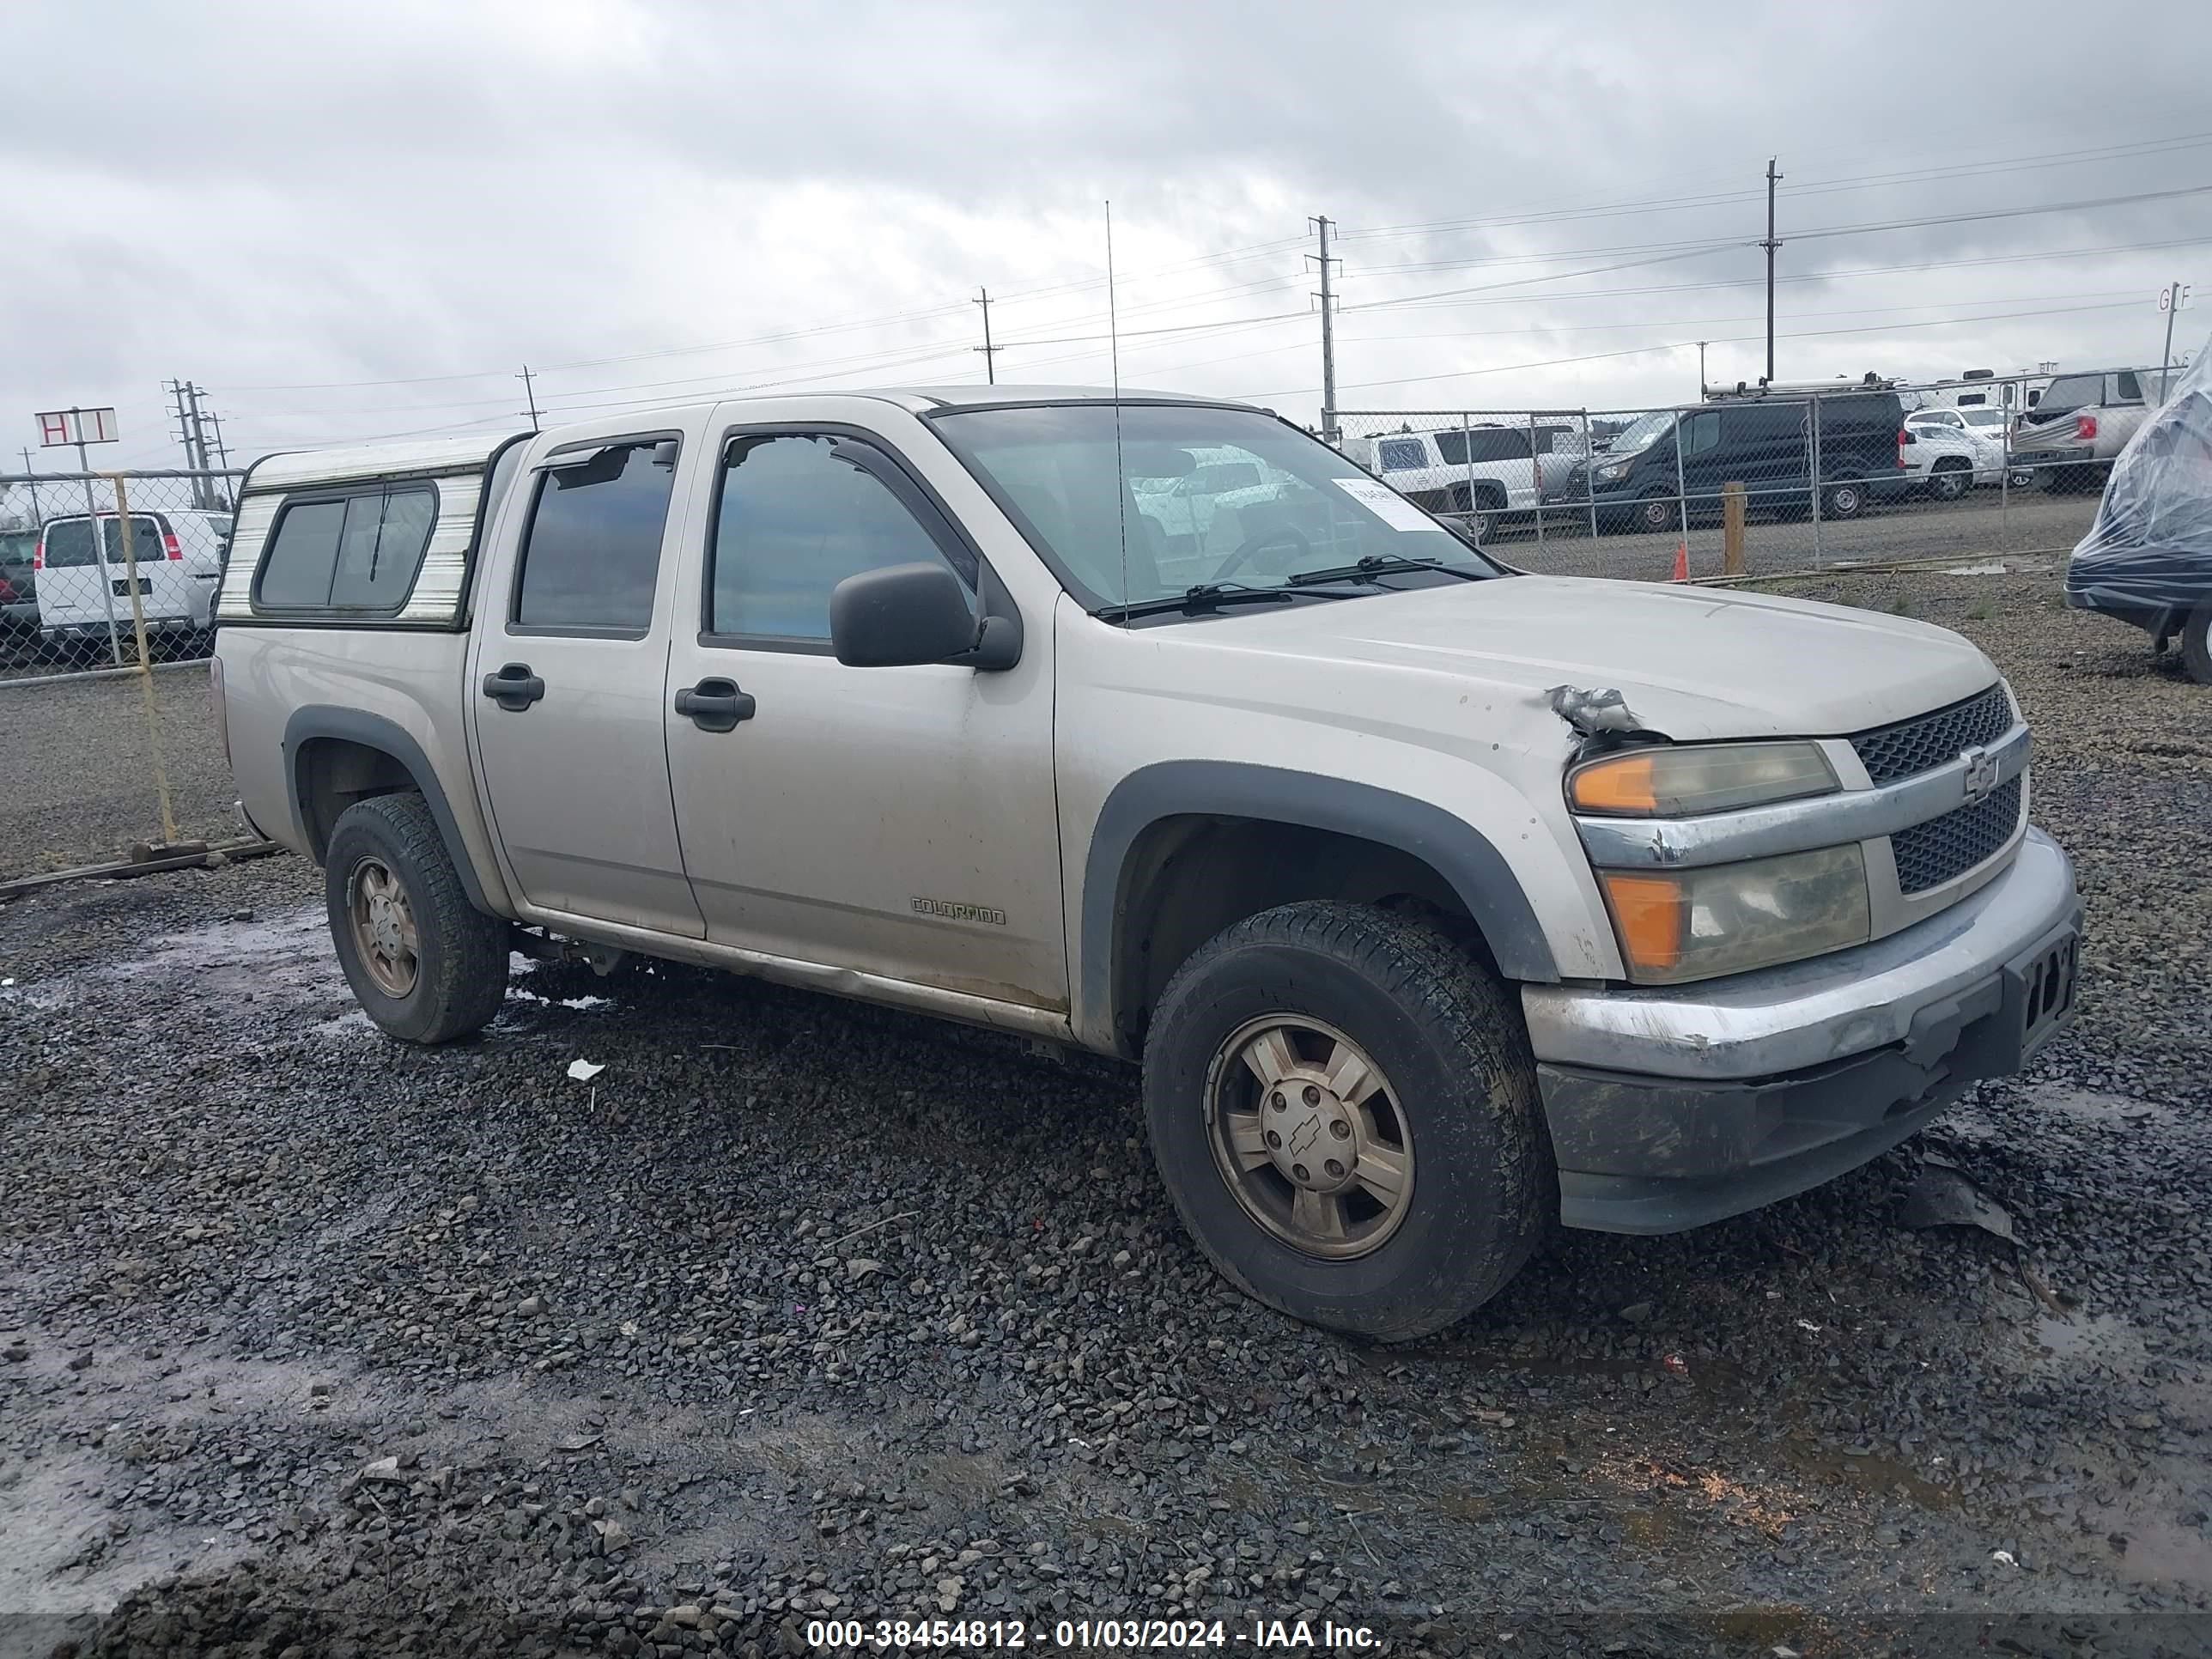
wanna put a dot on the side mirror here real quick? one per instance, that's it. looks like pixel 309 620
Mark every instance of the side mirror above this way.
pixel 902 616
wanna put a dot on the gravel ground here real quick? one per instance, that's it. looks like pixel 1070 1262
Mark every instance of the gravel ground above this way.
pixel 311 1343
pixel 77 771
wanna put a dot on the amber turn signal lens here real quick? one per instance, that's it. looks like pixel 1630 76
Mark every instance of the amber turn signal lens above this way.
pixel 1622 785
pixel 1647 914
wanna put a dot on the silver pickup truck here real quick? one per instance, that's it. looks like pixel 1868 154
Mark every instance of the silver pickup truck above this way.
pixel 1437 900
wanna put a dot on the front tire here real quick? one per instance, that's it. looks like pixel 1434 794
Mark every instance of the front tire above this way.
pixel 1950 484
pixel 1654 512
pixel 1343 1107
pixel 426 964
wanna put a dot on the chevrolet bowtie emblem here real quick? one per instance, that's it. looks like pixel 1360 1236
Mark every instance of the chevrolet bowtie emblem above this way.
pixel 1981 772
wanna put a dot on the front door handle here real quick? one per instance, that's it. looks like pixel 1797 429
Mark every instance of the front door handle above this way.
pixel 714 705
pixel 514 688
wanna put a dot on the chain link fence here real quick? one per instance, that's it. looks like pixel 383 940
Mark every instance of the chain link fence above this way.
pixel 1749 482
pixel 108 744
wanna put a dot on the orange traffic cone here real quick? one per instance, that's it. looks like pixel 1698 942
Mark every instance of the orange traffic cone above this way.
pixel 1682 561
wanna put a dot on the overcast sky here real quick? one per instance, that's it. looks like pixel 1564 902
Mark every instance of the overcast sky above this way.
pixel 363 220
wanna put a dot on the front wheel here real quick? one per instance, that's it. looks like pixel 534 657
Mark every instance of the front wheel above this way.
pixel 426 964
pixel 1950 484
pixel 1343 1107
pixel 1656 513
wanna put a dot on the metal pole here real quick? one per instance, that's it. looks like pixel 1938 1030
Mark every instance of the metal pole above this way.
pixel 1467 457
pixel 1813 421
pixel 2004 474
pixel 530 392
pixel 1536 477
pixel 1682 490
pixel 145 660
pixel 989 351
pixel 2165 357
pixel 1327 338
pixel 99 546
pixel 1590 474
pixel 1770 244
pixel 33 478
pixel 1701 371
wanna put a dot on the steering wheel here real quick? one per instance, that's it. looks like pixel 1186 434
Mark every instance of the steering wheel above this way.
pixel 1284 533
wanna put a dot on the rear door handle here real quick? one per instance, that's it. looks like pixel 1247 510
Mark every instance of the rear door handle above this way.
pixel 514 688
pixel 714 705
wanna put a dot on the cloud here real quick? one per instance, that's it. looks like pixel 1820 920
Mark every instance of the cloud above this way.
pixel 285 203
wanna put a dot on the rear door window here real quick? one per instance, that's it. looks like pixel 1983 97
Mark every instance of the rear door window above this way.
pixel 1483 445
pixel 1401 454
pixel 68 541
pixel 590 557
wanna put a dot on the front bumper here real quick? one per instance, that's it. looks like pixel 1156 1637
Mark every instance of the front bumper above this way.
pixel 1671 1109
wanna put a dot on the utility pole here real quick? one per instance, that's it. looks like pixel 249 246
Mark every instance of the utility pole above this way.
pixel 990 352
pixel 203 492
pixel 1770 244
pixel 37 517
pixel 530 392
pixel 190 436
pixel 219 491
pixel 1328 334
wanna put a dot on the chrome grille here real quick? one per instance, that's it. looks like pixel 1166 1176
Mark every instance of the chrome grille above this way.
pixel 1942 849
pixel 1926 741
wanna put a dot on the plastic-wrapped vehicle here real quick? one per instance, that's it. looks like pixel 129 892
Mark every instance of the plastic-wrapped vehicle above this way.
pixel 2146 560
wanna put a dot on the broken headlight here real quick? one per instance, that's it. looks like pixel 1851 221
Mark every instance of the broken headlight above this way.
pixel 1679 924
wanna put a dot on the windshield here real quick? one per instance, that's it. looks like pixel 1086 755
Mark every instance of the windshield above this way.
pixel 1254 501
pixel 1642 433
pixel 16 546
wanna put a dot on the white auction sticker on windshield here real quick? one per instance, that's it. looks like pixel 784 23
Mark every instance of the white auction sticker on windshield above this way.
pixel 1385 503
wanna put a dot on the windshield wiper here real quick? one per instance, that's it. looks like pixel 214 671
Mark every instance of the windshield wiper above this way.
pixel 1206 596
pixel 1384 564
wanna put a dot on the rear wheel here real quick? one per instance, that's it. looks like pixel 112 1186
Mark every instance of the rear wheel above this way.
pixel 1343 1107
pixel 1846 499
pixel 2197 644
pixel 1951 480
pixel 426 964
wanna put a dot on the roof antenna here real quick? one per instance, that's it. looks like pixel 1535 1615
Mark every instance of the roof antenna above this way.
pixel 1114 346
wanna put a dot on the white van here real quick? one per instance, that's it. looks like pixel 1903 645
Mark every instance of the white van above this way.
pixel 179 557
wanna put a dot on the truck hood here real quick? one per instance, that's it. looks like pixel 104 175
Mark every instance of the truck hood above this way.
pixel 1691 662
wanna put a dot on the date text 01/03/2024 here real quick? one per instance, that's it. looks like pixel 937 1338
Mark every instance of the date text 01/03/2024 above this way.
pixel 1167 1634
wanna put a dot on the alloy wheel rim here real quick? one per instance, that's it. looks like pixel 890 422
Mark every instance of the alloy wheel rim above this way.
pixel 1309 1136
pixel 384 932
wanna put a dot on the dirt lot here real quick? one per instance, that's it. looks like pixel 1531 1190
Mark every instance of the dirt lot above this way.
pixel 310 1343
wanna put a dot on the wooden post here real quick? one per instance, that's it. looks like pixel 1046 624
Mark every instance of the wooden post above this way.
pixel 1732 529
pixel 123 530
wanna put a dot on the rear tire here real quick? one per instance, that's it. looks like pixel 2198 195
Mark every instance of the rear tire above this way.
pixel 1846 499
pixel 1446 1180
pixel 426 964
pixel 2197 644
